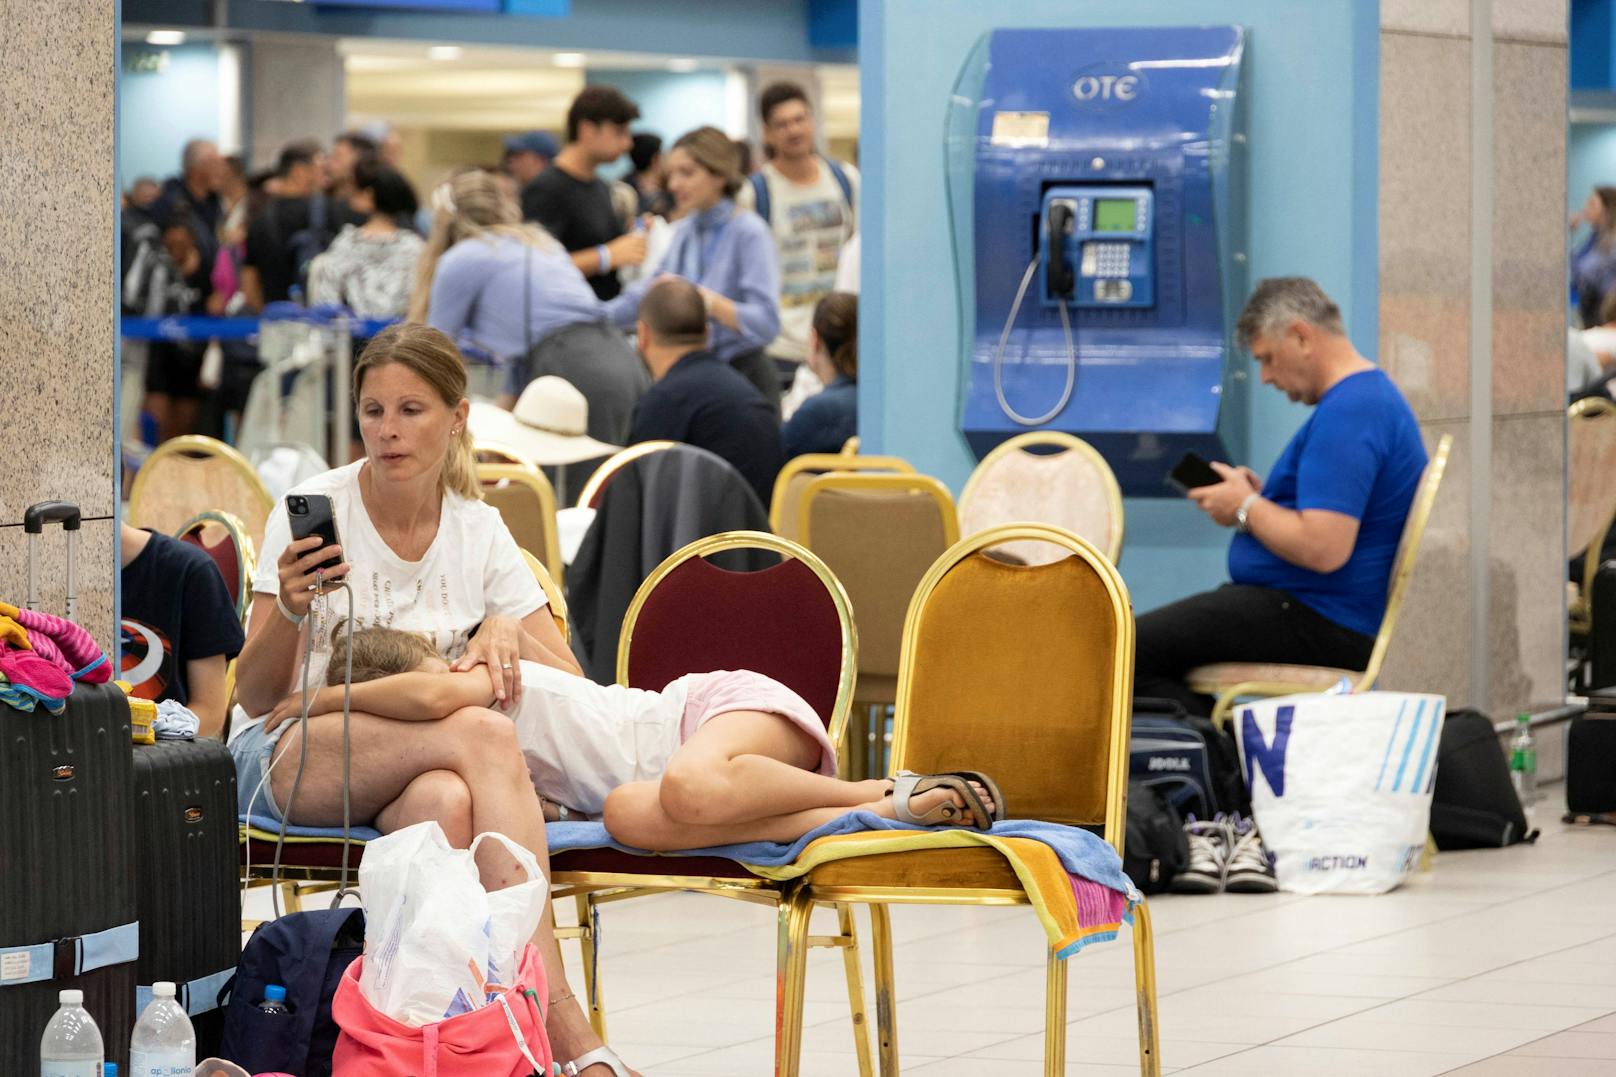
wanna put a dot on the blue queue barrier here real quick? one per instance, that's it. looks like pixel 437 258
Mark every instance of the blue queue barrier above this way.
pixel 201 328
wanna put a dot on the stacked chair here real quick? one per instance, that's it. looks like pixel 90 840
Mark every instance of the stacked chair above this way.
pixel 1049 477
pixel 799 470
pixel 189 475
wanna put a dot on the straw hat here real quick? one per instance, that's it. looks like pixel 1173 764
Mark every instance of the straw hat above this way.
pixel 549 424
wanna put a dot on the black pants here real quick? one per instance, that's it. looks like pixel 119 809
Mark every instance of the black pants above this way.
pixel 1236 623
pixel 760 370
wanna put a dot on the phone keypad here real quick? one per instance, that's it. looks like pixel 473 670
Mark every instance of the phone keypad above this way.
pixel 1106 259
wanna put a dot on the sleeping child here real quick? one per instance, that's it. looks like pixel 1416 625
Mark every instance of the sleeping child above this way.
pixel 712 759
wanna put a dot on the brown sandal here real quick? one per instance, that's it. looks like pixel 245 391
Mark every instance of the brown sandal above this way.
pixel 907 785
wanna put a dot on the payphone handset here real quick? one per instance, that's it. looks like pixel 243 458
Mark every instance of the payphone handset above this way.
pixel 1097 246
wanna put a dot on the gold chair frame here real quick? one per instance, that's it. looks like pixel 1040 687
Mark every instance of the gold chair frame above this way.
pixel 552 593
pixel 531 477
pixel 1579 611
pixel 850 447
pixel 807 894
pixel 246 553
pixel 1066 443
pixel 192 445
pixel 875 482
pixel 593 889
pixel 1208 681
pixel 615 463
pixel 826 462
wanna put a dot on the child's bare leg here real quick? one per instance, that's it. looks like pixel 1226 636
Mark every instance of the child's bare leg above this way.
pixel 748 765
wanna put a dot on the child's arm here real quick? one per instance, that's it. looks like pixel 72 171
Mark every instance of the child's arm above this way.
pixel 408 697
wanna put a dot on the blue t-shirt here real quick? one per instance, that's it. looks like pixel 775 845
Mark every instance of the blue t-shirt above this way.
pixel 1358 454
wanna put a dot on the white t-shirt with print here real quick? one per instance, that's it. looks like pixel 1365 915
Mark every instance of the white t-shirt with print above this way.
pixel 473 570
pixel 810 222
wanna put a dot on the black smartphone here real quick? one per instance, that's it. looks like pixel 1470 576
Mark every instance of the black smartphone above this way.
pixel 1192 471
pixel 312 514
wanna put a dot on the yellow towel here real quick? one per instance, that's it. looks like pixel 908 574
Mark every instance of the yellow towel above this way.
pixel 1074 911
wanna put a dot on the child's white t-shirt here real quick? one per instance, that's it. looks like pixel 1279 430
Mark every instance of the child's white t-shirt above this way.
pixel 473 570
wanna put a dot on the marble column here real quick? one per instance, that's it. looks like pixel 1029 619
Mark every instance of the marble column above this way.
pixel 1515 564
pixel 57 294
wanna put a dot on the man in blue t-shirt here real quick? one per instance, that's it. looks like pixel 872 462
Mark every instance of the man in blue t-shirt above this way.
pixel 1311 559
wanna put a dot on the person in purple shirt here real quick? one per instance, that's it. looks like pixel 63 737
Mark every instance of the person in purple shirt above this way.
pixel 727 253
pixel 509 290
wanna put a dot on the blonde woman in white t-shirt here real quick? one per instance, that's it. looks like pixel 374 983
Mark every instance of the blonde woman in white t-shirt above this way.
pixel 422 552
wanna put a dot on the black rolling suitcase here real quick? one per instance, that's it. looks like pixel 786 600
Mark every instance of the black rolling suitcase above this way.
pixel 67 855
pixel 189 885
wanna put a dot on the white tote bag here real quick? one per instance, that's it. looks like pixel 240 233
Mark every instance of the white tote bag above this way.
pixel 1341 786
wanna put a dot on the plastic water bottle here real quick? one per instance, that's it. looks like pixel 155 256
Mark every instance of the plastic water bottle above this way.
pixel 274 1000
pixel 1523 761
pixel 164 1044
pixel 71 1046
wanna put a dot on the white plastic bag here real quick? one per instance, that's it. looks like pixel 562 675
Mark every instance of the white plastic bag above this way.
pixel 435 940
pixel 1341 786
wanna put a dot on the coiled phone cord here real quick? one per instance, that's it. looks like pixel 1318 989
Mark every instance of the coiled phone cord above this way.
pixel 998 357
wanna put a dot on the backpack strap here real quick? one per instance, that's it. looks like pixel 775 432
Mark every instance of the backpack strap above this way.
pixel 760 197
pixel 840 174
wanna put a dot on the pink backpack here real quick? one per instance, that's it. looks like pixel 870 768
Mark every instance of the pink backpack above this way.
pixel 503 1039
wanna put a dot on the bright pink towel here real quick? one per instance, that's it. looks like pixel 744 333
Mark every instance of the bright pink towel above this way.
pixel 68 644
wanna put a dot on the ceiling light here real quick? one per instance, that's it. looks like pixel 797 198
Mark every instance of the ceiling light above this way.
pixel 568 59
pixel 166 37
pixel 445 52
pixel 683 65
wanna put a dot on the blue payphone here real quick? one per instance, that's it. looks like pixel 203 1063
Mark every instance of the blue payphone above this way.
pixel 1096 187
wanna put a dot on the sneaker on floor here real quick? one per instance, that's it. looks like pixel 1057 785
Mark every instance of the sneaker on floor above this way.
pixel 1209 853
pixel 1251 869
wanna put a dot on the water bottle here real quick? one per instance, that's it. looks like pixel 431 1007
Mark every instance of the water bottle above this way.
pixel 1523 761
pixel 274 1000
pixel 71 1046
pixel 164 1044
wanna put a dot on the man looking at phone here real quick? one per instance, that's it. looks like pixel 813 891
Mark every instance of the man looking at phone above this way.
pixel 1311 558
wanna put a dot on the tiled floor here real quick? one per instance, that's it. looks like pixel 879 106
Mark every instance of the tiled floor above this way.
pixel 1497 963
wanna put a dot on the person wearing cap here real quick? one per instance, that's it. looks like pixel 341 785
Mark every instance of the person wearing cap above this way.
pixel 698 398
pixel 728 254
pixel 508 288
pixel 528 154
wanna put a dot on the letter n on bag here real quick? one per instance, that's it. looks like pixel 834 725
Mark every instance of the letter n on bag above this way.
pixel 1269 757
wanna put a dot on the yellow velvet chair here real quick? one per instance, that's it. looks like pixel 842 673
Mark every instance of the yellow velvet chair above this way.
pixel 879 532
pixel 192 474
pixel 1233 681
pixel 1025 673
pixel 1591 498
pixel 526 502
pixel 794 477
pixel 1048 477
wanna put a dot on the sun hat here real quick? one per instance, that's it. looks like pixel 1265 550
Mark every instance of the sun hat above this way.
pixel 549 424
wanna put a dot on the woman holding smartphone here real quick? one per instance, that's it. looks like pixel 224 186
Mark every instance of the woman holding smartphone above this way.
pixel 420 551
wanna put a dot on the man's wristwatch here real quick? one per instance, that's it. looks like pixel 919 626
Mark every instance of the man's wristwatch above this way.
pixel 600 1055
pixel 1240 522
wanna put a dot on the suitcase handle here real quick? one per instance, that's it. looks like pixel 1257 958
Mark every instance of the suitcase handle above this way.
pixel 64 512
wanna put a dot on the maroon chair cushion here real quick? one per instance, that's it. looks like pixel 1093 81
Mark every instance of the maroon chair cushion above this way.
pixel 224 556
pixel 779 621
pixel 617 862
pixel 323 855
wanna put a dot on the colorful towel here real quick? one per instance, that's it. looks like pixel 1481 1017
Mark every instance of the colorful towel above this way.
pixel 63 642
pixel 1073 879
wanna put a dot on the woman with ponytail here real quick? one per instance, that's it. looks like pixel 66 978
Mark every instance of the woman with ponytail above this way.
pixel 421 552
pixel 827 419
pixel 488 279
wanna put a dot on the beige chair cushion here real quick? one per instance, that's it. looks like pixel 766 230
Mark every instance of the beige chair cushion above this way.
pixel 1063 489
pixel 1591 479
pixel 1220 675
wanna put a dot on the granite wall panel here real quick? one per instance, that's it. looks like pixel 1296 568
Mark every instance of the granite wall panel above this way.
pixel 57 267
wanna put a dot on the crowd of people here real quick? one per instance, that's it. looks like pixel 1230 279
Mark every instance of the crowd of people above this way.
pixel 536 264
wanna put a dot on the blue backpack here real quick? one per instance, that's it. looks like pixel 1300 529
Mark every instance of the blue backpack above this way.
pixel 306 953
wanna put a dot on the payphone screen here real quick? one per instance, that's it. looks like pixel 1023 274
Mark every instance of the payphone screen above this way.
pixel 1114 215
